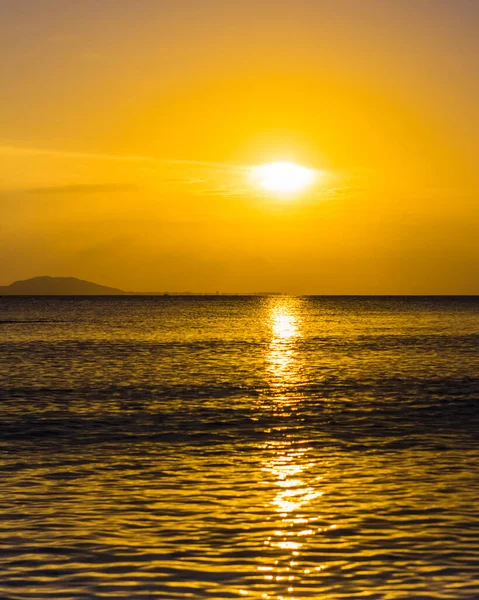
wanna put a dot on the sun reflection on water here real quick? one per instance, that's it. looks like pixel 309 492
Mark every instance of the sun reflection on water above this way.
pixel 285 327
pixel 284 324
pixel 292 515
pixel 288 466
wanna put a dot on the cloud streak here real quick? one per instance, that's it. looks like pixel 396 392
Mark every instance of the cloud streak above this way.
pixel 208 177
pixel 21 151
pixel 84 188
pixel 17 151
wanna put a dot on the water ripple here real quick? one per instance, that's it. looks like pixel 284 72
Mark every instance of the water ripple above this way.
pixel 277 448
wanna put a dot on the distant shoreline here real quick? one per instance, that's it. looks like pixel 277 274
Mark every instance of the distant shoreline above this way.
pixel 73 287
pixel 233 294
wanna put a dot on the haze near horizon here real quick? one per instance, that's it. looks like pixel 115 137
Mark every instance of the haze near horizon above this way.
pixel 312 147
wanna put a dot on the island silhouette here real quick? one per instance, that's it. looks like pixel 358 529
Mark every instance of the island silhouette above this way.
pixel 57 286
pixel 72 286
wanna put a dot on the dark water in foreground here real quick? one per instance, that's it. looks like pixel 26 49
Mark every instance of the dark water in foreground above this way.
pixel 214 447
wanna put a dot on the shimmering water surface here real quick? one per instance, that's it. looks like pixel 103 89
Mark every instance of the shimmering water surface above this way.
pixel 213 447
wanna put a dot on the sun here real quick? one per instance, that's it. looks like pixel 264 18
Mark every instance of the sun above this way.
pixel 283 178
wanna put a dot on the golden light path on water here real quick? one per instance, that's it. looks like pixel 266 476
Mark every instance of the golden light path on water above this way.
pixel 288 465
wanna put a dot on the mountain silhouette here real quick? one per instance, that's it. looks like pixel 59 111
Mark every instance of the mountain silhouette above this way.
pixel 57 286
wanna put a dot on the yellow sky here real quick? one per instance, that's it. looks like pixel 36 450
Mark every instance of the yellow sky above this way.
pixel 128 130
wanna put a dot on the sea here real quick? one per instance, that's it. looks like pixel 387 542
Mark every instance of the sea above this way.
pixel 276 447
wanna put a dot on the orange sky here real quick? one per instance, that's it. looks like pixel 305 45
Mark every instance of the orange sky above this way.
pixel 128 129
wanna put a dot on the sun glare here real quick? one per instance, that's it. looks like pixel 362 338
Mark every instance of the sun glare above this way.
pixel 284 177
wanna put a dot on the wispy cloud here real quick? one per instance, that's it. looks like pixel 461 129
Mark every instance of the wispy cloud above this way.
pixel 21 151
pixel 84 188
pixel 207 177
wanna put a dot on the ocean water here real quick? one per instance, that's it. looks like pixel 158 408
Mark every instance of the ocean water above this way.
pixel 239 447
